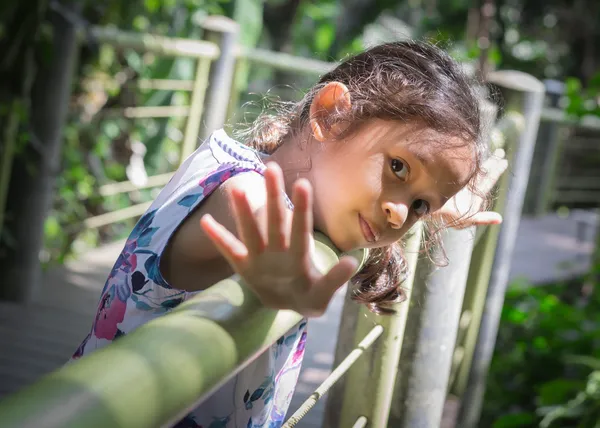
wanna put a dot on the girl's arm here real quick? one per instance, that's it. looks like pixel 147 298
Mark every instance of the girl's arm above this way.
pixel 190 261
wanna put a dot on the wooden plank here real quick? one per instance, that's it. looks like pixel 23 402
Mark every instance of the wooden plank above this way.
pixel 127 186
pixel 116 216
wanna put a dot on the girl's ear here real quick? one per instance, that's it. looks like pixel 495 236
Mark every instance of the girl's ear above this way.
pixel 332 100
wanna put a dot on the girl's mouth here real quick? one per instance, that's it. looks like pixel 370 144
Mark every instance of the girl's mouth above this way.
pixel 367 231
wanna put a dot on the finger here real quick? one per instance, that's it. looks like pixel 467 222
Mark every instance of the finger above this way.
pixel 275 208
pixel 246 223
pixel 302 221
pixel 229 246
pixel 499 153
pixel 329 283
pixel 486 217
pixel 494 168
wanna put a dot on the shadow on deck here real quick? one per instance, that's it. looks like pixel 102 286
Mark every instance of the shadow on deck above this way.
pixel 39 337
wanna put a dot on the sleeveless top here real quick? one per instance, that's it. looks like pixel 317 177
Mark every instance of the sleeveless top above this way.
pixel 136 292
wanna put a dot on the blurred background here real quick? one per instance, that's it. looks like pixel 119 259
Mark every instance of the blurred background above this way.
pixel 81 117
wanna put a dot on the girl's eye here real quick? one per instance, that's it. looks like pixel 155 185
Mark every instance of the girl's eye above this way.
pixel 400 169
pixel 420 207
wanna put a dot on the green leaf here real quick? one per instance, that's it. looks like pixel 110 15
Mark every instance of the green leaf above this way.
pixel 515 420
pixel 324 37
pixel 516 316
pixel 107 56
pixel 572 85
pixel 141 23
pixel 540 343
pixel 111 129
pixel 152 5
pixel 249 15
pixel 548 303
pixel 592 388
pixel 593 363
pixel 558 391
pixel 134 60
pixel 52 227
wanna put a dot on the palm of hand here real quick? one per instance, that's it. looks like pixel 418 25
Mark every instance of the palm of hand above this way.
pixel 275 261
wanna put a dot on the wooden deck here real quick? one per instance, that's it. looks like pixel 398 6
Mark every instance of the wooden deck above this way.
pixel 38 338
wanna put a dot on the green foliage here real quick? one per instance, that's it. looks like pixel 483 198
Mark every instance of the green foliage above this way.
pixel 584 408
pixel 529 36
pixel 546 367
pixel 583 101
pixel 98 142
pixel 315 30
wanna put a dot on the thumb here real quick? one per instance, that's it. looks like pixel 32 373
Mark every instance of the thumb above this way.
pixel 329 283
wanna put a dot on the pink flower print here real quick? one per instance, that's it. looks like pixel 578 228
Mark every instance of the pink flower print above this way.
pixel 79 352
pixel 298 354
pixel 111 312
pixel 130 246
pixel 126 262
pixel 130 263
pixel 210 183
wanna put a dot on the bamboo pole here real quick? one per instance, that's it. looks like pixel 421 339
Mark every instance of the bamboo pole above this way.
pixel 131 382
pixel 192 126
pixel 223 32
pixel 335 376
pixel 166 46
pixel 164 85
pixel 523 94
pixel 127 186
pixel 374 374
pixel 151 84
pixel 116 216
pixel 147 112
pixel 431 331
pixel 509 127
pixel 285 62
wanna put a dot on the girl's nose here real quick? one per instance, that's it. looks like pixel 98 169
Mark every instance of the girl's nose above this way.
pixel 396 214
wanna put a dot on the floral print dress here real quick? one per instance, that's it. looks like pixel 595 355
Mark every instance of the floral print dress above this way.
pixel 136 292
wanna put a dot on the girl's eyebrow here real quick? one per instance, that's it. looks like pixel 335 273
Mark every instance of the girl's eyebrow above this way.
pixel 426 163
pixel 418 154
pixel 421 158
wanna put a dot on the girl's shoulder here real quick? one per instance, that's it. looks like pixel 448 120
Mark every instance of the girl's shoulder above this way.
pixel 215 160
pixel 199 187
pixel 225 150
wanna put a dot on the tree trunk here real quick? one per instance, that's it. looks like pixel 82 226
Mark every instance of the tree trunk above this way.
pixel 21 23
pixel 32 180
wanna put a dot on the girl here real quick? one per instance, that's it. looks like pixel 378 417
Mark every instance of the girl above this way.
pixel 389 137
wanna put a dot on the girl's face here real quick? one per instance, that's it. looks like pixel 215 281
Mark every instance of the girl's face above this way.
pixel 370 188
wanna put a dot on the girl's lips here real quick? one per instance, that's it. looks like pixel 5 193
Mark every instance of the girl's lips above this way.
pixel 367 231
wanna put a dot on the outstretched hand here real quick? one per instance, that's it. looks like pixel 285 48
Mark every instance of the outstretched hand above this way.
pixel 276 263
pixel 464 209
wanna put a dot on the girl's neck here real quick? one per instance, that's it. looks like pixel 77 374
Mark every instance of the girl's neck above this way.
pixel 294 158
